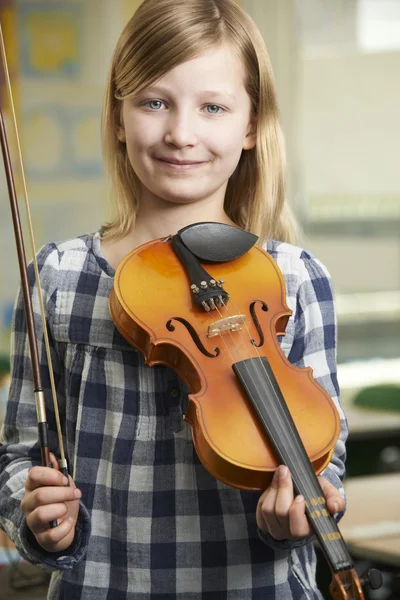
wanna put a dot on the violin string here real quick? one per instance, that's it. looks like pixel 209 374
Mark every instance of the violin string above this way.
pixel 221 336
pixel 33 248
pixel 325 525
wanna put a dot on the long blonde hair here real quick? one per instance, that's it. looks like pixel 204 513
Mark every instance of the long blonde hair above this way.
pixel 163 34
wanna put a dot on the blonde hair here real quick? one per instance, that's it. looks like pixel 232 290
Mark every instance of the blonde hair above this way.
pixel 163 34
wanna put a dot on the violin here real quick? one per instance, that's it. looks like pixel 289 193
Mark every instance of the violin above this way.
pixel 210 304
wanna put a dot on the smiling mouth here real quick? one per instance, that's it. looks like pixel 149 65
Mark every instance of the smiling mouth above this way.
pixel 179 166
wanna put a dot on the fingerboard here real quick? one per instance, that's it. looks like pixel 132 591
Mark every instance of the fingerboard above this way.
pixel 262 389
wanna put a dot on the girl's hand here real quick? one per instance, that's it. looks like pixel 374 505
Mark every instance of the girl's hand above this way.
pixel 47 498
pixel 282 515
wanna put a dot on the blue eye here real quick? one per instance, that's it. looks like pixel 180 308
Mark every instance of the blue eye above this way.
pixel 214 106
pixel 153 102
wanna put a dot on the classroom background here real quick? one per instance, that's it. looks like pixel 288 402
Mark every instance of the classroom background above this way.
pixel 337 71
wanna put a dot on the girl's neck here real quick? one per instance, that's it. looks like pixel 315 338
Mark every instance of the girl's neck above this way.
pixel 152 225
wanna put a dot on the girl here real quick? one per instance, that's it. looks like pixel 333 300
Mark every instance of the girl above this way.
pixel 191 133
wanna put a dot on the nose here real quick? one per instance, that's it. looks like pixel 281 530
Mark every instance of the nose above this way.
pixel 180 130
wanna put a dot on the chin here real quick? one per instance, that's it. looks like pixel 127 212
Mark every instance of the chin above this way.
pixel 182 198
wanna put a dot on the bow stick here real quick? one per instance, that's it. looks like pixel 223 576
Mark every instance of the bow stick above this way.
pixel 30 321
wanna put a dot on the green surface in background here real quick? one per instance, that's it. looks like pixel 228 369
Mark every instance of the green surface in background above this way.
pixel 379 397
pixel 4 364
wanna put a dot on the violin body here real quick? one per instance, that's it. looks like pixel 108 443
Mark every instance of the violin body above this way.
pixel 152 308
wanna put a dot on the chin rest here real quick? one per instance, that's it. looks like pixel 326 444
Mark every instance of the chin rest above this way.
pixel 216 242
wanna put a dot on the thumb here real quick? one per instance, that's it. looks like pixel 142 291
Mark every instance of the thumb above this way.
pixel 53 461
pixel 54 464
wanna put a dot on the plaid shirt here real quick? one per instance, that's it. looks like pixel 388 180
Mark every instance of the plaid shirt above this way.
pixel 153 523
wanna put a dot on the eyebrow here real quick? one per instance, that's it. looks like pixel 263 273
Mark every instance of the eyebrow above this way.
pixel 161 90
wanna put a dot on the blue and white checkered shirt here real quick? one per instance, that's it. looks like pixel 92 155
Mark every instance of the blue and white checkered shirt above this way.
pixel 153 523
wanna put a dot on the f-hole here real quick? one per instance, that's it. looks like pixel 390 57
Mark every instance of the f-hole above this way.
pixel 194 336
pixel 256 322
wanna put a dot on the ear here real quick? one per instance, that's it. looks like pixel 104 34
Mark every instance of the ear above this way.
pixel 121 133
pixel 120 127
pixel 251 136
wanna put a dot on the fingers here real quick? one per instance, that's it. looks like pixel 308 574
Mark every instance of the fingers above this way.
pixel 41 476
pixel 299 526
pixel 278 499
pixel 334 500
pixel 284 497
pixel 46 504
pixel 275 503
pixel 48 495
pixel 39 519
pixel 58 538
pixel 284 516
pixel 48 498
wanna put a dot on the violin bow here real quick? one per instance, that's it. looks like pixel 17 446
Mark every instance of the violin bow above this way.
pixel 30 320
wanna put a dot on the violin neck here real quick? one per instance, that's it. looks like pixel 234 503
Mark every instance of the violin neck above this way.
pixel 262 389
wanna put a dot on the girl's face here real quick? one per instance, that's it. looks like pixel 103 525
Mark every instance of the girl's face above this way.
pixel 199 112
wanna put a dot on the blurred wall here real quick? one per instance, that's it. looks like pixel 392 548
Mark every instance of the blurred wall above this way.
pixel 339 112
pixel 350 132
pixel 350 124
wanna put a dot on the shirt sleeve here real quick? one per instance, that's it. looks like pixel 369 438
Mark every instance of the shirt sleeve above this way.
pixel 315 345
pixel 19 447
